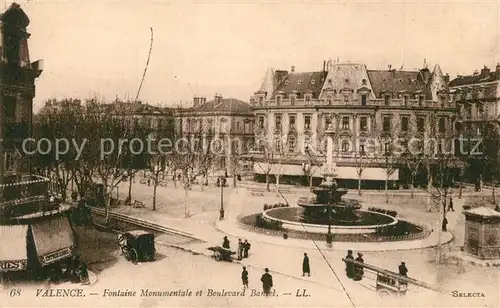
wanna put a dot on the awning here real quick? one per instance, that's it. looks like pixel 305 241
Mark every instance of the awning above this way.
pixel 53 239
pixel 13 253
pixel 373 174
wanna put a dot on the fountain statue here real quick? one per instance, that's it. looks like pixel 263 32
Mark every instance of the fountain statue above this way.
pixel 328 195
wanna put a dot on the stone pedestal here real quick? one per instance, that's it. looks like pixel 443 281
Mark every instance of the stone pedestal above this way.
pixel 482 233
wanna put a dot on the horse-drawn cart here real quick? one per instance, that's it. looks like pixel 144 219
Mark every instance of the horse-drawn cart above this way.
pixel 222 254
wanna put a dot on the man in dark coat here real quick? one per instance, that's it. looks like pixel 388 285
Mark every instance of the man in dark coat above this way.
pixel 225 243
pixel 349 268
pixel 267 282
pixel 403 271
pixel 244 277
pixel 358 270
pixel 305 266
pixel 246 248
pixel 445 222
pixel 240 249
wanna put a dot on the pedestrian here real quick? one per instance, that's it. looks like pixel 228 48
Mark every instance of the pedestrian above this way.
pixel 244 277
pixel 149 182
pixel 445 222
pixel 358 270
pixel 246 248
pixel 450 205
pixel 403 271
pixel 240 249
pixel 267 282
pixel 349 267
pixel 305 266
pixel 225 243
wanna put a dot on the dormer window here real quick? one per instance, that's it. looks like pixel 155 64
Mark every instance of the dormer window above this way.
pixel 421 100
pixel 387 98
pixel 405 100
pixel 363 99
pixel 278 100
pixel 442 99
pixel 307 98
pixel 261 100
pixel 252 101
pixel 346 98
pixel 292 99
pixel 329 99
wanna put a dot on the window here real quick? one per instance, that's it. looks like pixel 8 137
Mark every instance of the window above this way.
pixel 261 100
pixel 238 125
pixel 363 124
pixel 278 100
pixel 387 147
pixel 346 98
pixel 329 99
pixel 307 122
pixel 292 100
pixel 420 100
pixel 278 144
pixel 277 119
pixel 363 100
pixel 421 124
pixel 292 144
pixel 468 111
pixel 291 122
pixel 307 99
pixel 387 98
pixel 345 146
pixel 328 121
pixel 442 99
pixel 405 100
pixel 261 122
pixel 362 149
pixel 480 109
pixel 442 125
pixel 404 123
pixel 252 101
pixel 386 124
pixel 345 122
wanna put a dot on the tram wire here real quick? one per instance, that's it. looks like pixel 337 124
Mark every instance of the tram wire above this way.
pixel 315 244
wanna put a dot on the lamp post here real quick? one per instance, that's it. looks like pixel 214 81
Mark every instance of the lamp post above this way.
pixel 221 181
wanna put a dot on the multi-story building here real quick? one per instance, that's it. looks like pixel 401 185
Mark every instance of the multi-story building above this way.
pixel 34 230
pixel 296 108
pixel 478 111
pixel 223 122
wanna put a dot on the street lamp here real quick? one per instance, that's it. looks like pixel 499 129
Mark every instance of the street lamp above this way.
pixel 329 236
pixel 222 179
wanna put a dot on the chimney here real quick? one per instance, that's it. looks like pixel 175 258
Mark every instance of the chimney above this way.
pixel 292 69
pixel 497 71
pixel 446 78
pixel 218 98
pixel 485 71
pixel 390 67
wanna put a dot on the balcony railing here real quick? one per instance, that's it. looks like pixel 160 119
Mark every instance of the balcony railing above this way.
pixel 24 196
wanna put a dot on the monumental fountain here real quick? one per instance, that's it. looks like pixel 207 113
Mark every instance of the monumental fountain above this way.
pixel 328 212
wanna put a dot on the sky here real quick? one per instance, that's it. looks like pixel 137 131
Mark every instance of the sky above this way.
pixel 100 48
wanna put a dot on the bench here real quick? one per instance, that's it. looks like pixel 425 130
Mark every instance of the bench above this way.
pixel 258 192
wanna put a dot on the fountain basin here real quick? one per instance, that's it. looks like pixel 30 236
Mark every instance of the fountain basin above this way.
pixel 291 218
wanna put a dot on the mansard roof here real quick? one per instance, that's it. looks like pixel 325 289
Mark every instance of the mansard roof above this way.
pixel 394 81
pixel 484 76
pixel 304 82
pixel 224 105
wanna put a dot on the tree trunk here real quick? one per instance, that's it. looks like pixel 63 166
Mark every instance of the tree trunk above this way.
pixel 278 185
pixel 311 181
pixel 129 197
pixel 155 184
pixel 412 187
pixel 493 189
pixel 460 192
pixel 234 180
pixel 107 206
pixel 387 190
pixel 359 185
pixel 267 182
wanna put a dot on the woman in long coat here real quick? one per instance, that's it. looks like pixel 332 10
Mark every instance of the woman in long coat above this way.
pixel 305 266
pixel 349 267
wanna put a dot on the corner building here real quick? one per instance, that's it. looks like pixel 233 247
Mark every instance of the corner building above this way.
pixel 296 108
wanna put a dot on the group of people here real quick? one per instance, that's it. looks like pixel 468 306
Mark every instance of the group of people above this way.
pixel 243 247
pixel 266 279
pixel 354 272
pixel 73 269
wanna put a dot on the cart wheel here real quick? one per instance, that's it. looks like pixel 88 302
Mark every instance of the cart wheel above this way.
pixel 218 256
pixel 134 256
pixel 126 253
pixel 385 294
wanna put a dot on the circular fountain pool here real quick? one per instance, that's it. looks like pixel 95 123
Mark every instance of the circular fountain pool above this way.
pixel 293 218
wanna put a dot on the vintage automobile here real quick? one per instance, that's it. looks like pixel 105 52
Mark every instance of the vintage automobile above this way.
pixel 387 285
pixel 137 245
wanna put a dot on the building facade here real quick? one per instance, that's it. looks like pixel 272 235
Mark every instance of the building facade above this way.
pixel 478 113
pixel 359 104
pixel 227 126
